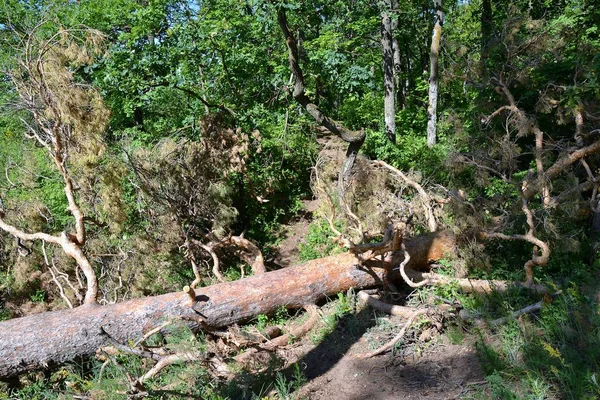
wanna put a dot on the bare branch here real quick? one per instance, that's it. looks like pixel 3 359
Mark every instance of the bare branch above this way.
pixel 391 309
pixel 54 279
pixel 216 263
pixel 389 345
pixel 537 259
pixel 425 198
pixel 254 258
pixel 559 167
pixel 472 285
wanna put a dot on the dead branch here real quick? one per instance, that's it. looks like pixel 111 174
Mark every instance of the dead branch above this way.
pixel 537 259
pixel 402 269
pixel 39 96
pixel 527 123
pixel 54 278
pixel 70 248
pixel 389 345
pixel 243 248
pixel 170 360
pixel 391 309
pixel 297 332
pixel 151 332
pixel 197 277
pixel 250 253
pixel 525 310
pixel 210 249
pixel 471 285
pixel 467 316
pixel 191 294
pixel 425 198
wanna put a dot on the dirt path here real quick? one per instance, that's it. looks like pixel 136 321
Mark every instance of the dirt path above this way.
pixel 444 372
pixel 432 369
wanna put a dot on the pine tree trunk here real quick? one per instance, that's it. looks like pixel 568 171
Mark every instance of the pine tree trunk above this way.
pixel 49 339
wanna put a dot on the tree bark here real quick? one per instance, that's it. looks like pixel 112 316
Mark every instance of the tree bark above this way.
pixel 387 47
pixel 49 339
pixel 433 77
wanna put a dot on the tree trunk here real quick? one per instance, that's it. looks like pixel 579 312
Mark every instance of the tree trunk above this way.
pixel 433 77
pixel 48 339
pixel 355 139
pixel 387 48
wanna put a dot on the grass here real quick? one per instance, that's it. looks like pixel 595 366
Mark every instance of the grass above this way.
pixel 318 242
pixel 553 355
pixel 342 306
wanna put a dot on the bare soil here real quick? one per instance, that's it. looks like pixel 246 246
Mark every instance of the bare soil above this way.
pixel 443 372
pixel 417 369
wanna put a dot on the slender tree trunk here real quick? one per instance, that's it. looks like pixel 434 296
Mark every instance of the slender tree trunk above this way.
pixel 387 47
pixel 433 77
pixel 48 339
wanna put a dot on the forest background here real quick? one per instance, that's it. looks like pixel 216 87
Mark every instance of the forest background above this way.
pixel 184 130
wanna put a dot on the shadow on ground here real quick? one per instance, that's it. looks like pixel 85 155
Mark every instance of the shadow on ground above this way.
pixel 333 371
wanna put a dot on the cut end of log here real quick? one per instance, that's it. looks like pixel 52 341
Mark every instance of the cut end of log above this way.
pixel 191 293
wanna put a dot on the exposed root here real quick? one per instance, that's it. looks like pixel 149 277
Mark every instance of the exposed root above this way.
pixel 471 285
pixel 425 198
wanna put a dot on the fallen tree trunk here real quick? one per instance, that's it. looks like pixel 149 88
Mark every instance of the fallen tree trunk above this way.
pixel 48 339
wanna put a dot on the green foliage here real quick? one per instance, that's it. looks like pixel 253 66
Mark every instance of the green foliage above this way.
pixel 319 242
pixel 38 297
pixel 342 306
pixel 559 354
pixel 172 66
pixel 286 387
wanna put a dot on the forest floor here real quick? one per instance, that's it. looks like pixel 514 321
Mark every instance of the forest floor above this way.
pixel 427 365
pixel 420 368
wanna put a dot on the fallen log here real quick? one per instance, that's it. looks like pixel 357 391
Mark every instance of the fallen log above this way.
pixel 52 338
